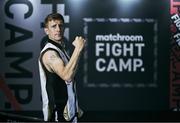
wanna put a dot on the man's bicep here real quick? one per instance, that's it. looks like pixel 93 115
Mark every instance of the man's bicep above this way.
pixel 54 62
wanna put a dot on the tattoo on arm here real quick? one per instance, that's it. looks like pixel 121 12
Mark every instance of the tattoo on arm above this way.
pixel 53 58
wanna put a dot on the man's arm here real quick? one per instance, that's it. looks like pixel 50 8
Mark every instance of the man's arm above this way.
pixel 53 62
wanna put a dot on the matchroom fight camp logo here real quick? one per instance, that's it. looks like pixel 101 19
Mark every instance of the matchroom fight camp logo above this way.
pixel 122 52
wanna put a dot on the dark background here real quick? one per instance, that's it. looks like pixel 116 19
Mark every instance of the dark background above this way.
pixel 125 99
pixel 120 104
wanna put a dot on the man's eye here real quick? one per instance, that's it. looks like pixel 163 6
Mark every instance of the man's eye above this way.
pixel 54 26
pixel 61 26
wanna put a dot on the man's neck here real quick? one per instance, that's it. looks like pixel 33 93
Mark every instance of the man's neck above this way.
pixel 60 42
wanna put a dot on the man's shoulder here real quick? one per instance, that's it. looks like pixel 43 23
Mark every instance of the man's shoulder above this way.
pixel 49 46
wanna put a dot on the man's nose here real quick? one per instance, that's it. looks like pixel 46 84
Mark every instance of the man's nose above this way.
pixel 58 28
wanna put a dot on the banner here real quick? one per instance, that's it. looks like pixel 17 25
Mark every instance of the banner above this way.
pixel 175 56
pixel 21 38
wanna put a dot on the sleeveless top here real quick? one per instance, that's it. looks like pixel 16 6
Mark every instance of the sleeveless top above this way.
pixel 57 94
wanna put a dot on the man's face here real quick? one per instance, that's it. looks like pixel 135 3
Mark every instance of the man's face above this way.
pixel 55 30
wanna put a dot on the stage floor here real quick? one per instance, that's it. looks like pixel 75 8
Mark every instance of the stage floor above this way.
pixel 99 116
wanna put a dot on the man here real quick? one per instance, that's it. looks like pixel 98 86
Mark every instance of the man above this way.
pixel 57 71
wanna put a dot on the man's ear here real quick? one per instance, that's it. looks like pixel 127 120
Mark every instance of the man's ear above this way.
pixel 46 31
